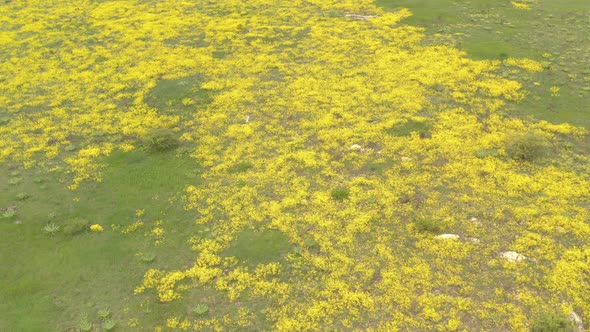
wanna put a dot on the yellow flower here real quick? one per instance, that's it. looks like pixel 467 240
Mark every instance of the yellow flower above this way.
pixel 172 322
pixel 157 232
pixel 133 322
pixel 527 64
pixel 300 84
pixel 521 5
pixel 133 227
pixel 96 228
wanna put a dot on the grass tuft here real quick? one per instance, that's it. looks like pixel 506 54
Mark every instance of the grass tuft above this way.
pixel 528 147
pixel 427 225
pixel 549 322
pixel 340 193
pixel 412 126
pixel 161 140
pixel 75 226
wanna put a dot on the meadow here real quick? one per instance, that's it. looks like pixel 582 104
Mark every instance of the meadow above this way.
pixel 354 165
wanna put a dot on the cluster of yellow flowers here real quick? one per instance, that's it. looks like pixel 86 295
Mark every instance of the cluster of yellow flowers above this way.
pixel 520 5
pixel 96 228
pixel 528 64
pixel 133 227
pixel 314 96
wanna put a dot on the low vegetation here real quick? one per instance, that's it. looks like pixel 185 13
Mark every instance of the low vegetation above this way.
pixel 302 166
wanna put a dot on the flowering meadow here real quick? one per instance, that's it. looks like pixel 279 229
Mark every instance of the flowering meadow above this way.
pixel 353 173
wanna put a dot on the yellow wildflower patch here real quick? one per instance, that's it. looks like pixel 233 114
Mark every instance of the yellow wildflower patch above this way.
pixel 317 99
pixel 96 228
pixel 520 5
pixel 528 64
pixel 133 227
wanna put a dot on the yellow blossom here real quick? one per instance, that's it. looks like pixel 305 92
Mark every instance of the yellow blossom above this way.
pixel 96 228
pixel 521 5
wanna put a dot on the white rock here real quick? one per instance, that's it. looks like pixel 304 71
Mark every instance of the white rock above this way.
pixel 360 17
pixel 576 321
pixel 473 240
pixel 355 147
pixel 513 256
pixel 474 219
pixel 448 236
pixel 406 159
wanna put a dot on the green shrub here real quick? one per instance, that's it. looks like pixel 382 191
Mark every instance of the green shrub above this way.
pixel 9 214
pixel 75 226
pixel 70 148
pixel 109 325
pixel 51 229
pixel 551 323
pixel 427 225
pixel 528 147
pixel 148 257
pixel 104 313
pixel 486 153
pixel 406 129
pixel 568 145
pixel 241 167
pixel 160 140
pixel 201 309
pixel 340 193
pixel 84 325
pixel 311 243
pixel 22 196
pixel 377 167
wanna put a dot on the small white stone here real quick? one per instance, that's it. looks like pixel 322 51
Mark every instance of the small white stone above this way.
pixel 406 159
pixel 513 256
pixel 360 17
pixel 576 321
pixel 355 147
pixel 448 236
pixel 473 240
pixel 474 219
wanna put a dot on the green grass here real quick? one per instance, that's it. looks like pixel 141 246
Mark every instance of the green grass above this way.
pixel 340 193
pixel 551 323
pixel 241 167
pixel 424 11
pixel 168 95
pixel 487 29
pixel 406 129
pixel 427 225
pixel 255 247
pixel 54 279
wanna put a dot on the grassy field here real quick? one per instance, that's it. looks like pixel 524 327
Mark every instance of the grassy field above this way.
pixel 319 157
pixel 555 32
